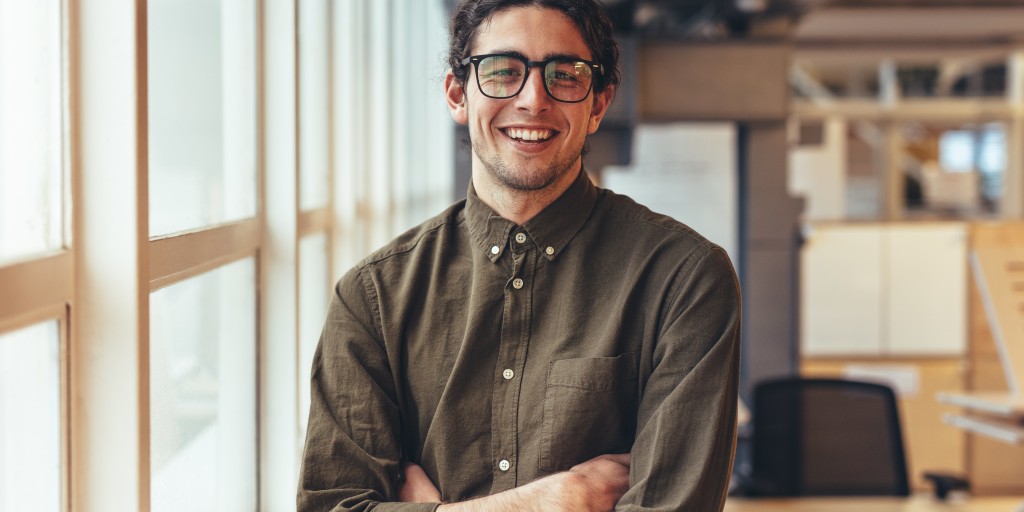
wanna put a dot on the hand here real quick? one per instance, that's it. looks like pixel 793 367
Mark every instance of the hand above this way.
pixel 593 486
pixel 416 486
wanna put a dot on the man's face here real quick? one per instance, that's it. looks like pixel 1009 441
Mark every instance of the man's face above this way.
pixel 529 141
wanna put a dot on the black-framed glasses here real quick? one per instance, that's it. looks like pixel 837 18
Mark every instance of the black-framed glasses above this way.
pixel 566 79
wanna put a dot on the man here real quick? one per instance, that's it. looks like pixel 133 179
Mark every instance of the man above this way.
pixel 544 344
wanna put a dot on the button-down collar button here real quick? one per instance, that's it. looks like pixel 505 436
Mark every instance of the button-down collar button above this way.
pixel 495 249
pixel 504 465
pixel 521 238
pixel 517 283
pixel 550 250
pixel 508 374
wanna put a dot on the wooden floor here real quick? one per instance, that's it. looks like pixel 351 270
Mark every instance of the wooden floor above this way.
pixel 914 504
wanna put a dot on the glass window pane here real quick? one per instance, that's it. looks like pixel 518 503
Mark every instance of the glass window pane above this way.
pixel 30 127
pixel 203 391
pixel 313 102
pixel 30 418
pixel 992 156
pixel 202 113
pixel 956 151
pixel 314 292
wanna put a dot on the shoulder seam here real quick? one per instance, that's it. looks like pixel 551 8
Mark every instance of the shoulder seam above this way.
pixel 682 229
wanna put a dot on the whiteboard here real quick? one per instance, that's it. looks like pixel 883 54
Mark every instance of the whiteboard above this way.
pixel 927 289
pixel 841 290
pixel 896 289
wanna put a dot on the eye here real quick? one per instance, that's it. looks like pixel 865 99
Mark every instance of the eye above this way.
pixel 563 76
pixel 504 73
pixel 568 74
pixel 500 68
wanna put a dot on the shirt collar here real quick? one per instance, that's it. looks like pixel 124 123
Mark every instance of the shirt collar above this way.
pixel 551 229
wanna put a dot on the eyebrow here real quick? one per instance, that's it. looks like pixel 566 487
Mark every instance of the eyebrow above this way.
pixel 547 56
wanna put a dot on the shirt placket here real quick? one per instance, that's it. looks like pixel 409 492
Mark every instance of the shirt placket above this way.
pixel 511 360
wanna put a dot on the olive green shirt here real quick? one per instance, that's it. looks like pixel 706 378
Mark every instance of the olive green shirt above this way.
pixel 493 354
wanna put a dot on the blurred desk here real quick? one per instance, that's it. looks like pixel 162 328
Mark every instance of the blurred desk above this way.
pixel 912 504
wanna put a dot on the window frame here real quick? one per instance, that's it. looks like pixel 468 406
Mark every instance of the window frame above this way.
pixel 98 285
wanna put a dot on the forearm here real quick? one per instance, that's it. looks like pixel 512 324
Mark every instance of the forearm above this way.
pixel 593 486
pixel 538 496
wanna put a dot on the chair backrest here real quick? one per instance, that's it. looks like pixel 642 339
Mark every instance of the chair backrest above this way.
pixel 827 437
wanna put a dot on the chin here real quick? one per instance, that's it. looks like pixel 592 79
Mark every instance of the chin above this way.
pixel 530 175
pixel 526 180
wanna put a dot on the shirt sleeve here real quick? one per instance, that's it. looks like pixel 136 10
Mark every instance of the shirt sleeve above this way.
pixel 686 426
pixel 351 457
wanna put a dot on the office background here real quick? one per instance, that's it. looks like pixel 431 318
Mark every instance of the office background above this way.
pixel 182 181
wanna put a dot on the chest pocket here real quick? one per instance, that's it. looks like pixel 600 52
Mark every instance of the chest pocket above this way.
pixel 590 409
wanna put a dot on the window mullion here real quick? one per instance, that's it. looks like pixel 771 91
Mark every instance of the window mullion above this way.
pixel 278 256
pixel 109 367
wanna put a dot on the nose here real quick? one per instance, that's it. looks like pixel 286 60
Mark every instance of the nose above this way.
pixel 533 97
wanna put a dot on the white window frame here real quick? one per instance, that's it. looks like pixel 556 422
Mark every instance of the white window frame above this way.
pixel 98 286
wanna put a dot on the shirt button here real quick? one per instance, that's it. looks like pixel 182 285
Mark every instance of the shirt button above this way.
pixel 504 465
pixel 517 283
pixel 550 250
pixel 495 249
pixel 521 238
pixel 508 374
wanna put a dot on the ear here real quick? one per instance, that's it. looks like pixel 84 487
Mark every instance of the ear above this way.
pixel 455 93
pixel 601 102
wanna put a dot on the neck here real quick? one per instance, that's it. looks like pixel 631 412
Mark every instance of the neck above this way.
pixel 517 205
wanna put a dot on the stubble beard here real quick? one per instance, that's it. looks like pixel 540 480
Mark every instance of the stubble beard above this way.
pixel 528 179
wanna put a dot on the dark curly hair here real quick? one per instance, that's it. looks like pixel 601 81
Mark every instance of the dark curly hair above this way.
pixel 589 16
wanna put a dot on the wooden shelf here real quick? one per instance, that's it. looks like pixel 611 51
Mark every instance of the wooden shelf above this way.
pixel 1007 431
pixel 995 403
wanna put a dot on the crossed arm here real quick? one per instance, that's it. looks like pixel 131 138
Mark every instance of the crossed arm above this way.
pixel 680 458
pixel 595 485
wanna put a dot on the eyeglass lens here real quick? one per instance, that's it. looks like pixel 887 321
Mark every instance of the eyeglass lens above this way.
pixel 502 76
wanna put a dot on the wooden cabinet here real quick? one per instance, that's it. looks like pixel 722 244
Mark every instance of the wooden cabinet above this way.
pixel 892 289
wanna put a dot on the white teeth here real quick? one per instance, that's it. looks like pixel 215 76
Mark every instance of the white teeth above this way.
pixel 524 134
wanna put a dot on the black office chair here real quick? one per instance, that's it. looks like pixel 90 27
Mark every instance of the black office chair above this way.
pixel 826 437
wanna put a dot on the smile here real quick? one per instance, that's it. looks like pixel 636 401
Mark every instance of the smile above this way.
pixel 528 135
